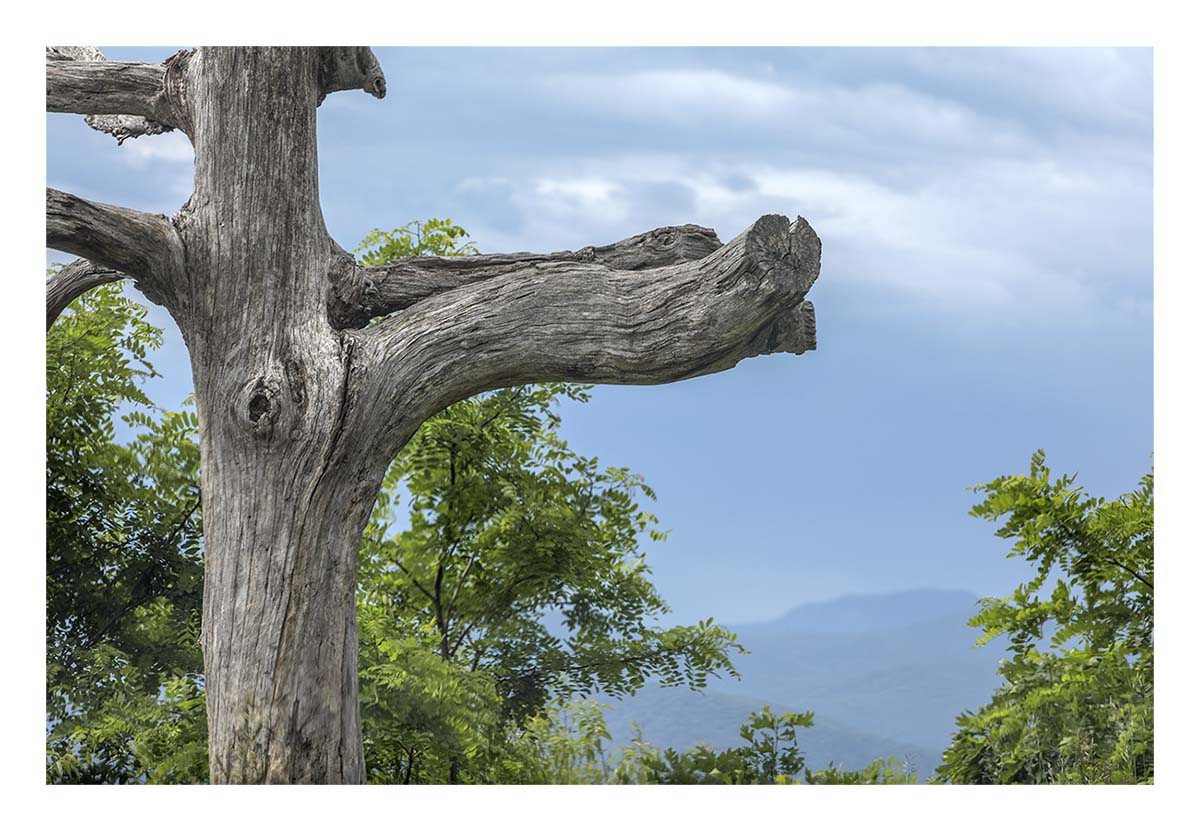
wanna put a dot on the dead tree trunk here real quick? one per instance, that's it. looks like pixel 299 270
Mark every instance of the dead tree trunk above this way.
pixel 302 407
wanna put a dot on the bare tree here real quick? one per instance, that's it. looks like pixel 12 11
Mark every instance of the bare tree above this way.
pixel 302 406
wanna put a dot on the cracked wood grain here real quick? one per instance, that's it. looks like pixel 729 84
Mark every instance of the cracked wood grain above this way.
pixel 144 246
pixel 363 293
pixel 563 320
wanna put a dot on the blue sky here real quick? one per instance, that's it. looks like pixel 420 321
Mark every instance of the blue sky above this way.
pixel 986 286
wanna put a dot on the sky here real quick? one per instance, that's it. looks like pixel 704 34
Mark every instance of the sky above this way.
pixel 986 285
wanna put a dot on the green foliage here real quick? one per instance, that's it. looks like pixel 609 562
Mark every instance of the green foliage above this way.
pixel 704 764
pixel 520 565
pixel 564 744
pixel 123 560
pixel 769 755
pixel 420 712
pixel 128 735
pixel 1080 708
pixel 567 745
pixel 433 237
pixel 889 771
pixel 770 748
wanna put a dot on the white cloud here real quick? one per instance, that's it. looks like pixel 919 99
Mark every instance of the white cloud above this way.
pixel 166 159
pixel 809 112
pixel 1098 84
pixel 583 190
pixel 581 201
pixel 171 147
pixel 673 94
pixel 1034 236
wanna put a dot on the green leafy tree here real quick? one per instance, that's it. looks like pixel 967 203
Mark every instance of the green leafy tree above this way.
pixel 124 701
pixel 1077 700
pixel 521 563
pixel 770 748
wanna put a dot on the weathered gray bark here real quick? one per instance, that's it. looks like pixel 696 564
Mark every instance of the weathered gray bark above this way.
pixel 364 293
pixel 126 100
pixel 302 407
pixel 70 282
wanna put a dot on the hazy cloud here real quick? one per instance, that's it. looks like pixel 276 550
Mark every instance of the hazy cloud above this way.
pixel 1032 234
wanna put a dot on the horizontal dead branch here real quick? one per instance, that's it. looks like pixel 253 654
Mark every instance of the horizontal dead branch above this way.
pixel 364 293
pixel 563 320
pixel 125 99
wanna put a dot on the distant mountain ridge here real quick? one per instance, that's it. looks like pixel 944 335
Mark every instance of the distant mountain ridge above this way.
pixel 862 613
pixel 883 674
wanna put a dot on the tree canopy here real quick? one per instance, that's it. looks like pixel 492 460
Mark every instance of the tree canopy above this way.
pixel 124 697
pixel 1077 700
pixel 520 567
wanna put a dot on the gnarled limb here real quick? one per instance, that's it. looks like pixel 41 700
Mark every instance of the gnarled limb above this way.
pixel 70 282
pixel 363 293
pixel 584 321
pixel 124 99
pixel 144 246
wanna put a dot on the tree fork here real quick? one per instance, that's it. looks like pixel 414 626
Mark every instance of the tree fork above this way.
pixel 302 407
